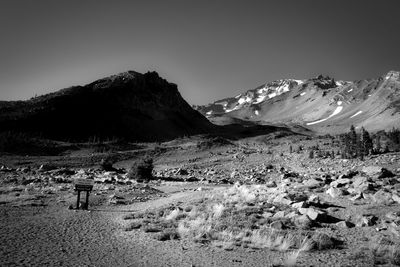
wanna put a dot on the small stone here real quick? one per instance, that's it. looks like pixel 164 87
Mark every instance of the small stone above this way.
pixel 334 192
pixel 366 220
pixel 357 196
pixel 312 213
pixel 302 222
pixel 341 182
pixel 277 225
pixel 312 183
pixel 344 224
pixel 279 214
pixel 271 184
pixel 396 198
pixel 301 204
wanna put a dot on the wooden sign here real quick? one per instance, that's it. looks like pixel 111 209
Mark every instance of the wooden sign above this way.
pixel 82 184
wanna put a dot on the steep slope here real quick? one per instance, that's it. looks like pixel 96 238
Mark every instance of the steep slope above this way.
pixel 321 104
pixel 142 107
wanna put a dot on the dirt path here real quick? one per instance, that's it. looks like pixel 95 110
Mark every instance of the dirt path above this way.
pixel 54 235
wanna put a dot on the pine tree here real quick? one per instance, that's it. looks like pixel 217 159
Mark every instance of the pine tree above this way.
pixel 353 141
pixel 378 144
pixel 366 142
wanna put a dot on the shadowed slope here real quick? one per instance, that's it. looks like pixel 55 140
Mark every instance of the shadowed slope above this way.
pixel 130 105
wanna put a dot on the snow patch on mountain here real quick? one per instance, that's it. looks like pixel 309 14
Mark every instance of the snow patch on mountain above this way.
pixel 335 112
pixel 302 93
pixel 358 113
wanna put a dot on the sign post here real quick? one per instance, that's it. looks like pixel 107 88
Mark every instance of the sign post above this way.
pixel 83 185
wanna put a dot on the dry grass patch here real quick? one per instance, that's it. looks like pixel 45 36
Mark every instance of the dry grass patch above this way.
pixel 239 216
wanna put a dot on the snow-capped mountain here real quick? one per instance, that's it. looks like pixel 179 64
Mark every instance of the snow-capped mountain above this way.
pixel 251 97
pixel 320 103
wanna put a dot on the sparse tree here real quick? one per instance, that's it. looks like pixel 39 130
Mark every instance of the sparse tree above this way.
pixel 311 154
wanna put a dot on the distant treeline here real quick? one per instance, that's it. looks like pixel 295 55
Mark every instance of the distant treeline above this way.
pixel 353 144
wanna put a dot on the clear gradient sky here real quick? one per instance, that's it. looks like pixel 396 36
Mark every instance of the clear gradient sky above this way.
pixel 211 49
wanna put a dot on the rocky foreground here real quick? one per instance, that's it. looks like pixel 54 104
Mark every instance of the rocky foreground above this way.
pixel 321 211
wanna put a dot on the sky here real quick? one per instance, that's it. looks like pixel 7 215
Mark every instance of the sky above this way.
pixel 211 49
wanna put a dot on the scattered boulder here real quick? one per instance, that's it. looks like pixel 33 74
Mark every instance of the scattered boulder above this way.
pixel 362 184
pixel 313 214
pixel 301 204
pixel 393 216
pixel 345 224
pixel 358 196
pixel 396 198
pixel 349 174
pixel 341 182
pixel 335 192
pixel 282 199
pixel 366 220
pixel 271 184
pixel 312 183
pixel 377 172
pixel 279 225
pixel 382 197
pixel 302 222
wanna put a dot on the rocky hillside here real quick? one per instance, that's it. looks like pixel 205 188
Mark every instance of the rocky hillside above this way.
pixel 321 104
pixel 130 105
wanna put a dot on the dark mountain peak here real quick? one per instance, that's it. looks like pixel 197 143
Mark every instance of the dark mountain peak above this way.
pixel 324 82
pixel 131 105
pixel 393 75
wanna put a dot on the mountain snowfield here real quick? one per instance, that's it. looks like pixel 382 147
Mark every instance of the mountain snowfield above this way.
pixel 321 104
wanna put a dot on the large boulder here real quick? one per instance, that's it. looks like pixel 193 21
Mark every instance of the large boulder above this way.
pixel 377 172
pixel 362 183
pixel 382 197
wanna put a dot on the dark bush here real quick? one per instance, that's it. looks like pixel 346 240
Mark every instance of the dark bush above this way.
pixel 141 170
pixel 107 163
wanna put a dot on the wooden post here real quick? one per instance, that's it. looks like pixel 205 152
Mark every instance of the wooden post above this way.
pixel 87 199
pixel 78 199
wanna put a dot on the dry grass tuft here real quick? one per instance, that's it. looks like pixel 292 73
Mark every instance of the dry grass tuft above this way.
pixel 385 250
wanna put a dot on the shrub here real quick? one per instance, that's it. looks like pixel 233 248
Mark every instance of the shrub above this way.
pixel 107 163
pixel 141 170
